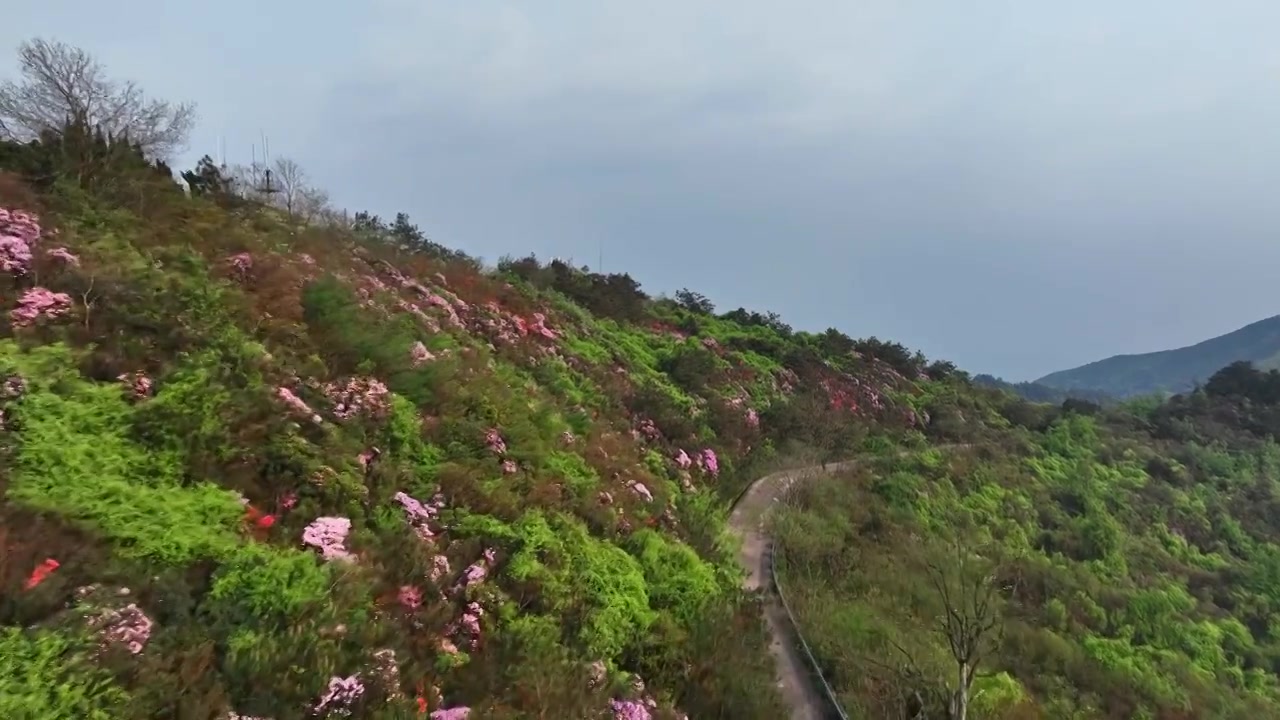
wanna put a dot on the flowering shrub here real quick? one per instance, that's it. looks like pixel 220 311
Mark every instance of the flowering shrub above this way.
pixel 329 536
pixel 420 515
pixel 143 476
pixel 39 303
pixel 42 571
pixel 19 233
pixel 710 461
pixel 477 571
pixel 631 710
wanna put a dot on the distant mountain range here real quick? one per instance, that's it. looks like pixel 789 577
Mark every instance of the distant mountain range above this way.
pixel 1038 392
pixel 1168 371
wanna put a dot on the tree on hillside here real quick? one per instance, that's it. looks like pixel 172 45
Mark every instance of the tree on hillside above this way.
pixel 695 302
pixel 970 622
pixel 282 184
pixel 207 179
pixel 61 83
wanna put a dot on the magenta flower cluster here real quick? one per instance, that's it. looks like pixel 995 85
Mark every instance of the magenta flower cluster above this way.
pixel 420 515
pixel 329 536
pixel 631 710
pixel 36 303
pixel 477 571
pixel 468 623
pixel 706 460
pixel 19 233
pixel 709 461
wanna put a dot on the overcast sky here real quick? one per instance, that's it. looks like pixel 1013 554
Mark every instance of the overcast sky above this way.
pixel 1017 186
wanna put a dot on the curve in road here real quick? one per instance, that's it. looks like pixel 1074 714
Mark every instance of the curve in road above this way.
pixel 747 521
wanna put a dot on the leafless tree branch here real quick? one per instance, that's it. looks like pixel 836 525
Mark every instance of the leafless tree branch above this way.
pixel 61 82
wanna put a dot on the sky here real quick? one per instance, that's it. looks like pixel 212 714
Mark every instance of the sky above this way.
pixel 1016 187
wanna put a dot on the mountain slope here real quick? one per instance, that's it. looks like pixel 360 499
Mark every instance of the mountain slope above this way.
pixel 257 467
pixel 1174 370
pixel 1036 392
pixel 1105 564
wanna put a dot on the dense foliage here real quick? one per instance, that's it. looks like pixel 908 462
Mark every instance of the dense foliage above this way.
pixel 256 466
pixel 1130 554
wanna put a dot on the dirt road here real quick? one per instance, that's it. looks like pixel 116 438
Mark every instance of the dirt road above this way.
pixel 748 522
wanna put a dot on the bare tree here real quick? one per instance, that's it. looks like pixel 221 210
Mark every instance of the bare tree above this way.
pixel 291 183
pixel 971 622
pixel 283 185
pixel 61 82
pixel 313 205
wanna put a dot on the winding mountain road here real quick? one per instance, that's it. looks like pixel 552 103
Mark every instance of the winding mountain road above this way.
pixel 747 521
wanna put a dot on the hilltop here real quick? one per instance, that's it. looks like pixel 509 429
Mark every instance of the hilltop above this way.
pixel 272 466
pixel 1173 371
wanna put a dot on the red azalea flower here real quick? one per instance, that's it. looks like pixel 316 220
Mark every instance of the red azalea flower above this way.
pixel 41 572
pixel 266 521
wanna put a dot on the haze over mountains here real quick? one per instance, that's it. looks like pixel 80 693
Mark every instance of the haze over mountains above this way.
pixel 1166 371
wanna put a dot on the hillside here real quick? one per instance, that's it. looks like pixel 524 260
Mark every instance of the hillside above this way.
pixel 264 460
pixel 1037 392
pixel 1114 564
pixel 256 466
pixel 1174 371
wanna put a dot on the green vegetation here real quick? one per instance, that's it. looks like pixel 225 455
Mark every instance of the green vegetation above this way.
pixel 285 465
pixel 1125 560
pixel 1173 371
pixel 258 460
pixel 1037 392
